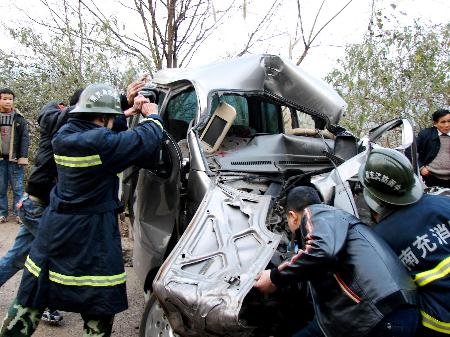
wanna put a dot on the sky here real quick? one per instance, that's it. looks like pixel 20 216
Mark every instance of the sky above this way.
pixel 349 27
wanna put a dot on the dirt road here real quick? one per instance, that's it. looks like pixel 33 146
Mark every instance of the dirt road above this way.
pixel 126 324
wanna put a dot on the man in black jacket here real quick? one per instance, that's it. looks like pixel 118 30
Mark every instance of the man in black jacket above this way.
pixel 358 286
pixel 433 146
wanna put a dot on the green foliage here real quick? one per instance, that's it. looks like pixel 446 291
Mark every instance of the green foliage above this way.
pixel 403 73
pixel 44 69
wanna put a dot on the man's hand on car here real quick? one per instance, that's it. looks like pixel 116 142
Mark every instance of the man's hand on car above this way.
pixel 149 109
pixel 133 89
pixel 138 102
pixel 263 282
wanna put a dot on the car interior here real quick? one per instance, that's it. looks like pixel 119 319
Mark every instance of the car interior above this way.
pixel 257 117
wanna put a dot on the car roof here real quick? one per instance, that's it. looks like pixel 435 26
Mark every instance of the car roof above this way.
pixel 269 75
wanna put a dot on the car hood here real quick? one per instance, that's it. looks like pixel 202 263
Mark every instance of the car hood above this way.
pixel 203 282
pixel 269 75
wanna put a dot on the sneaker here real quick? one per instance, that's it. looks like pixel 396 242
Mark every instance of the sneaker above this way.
pixel 18 220
pixel 51 317
pixel 3 219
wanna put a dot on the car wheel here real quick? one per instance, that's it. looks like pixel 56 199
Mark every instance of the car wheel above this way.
pixel 154 321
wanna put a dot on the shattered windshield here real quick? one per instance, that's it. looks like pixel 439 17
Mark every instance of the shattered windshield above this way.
pixel 253 115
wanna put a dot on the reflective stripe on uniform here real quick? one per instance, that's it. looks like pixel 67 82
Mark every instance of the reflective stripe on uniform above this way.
pixel 434 324
pixel 441 270
pixel 32 267
pixel 93 281
pixel 157 122
pixel 86 161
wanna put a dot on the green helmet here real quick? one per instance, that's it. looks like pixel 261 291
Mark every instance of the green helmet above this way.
pixel 388 179
pixel 98 98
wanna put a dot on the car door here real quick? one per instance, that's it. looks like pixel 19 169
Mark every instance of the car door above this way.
pixel 156 198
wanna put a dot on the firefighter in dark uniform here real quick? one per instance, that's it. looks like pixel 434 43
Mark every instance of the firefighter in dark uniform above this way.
pixel 417 227
pixel 75 263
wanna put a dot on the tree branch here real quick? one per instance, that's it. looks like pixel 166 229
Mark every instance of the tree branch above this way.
pixel 263 21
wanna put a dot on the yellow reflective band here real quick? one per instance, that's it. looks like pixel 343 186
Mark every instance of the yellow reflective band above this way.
pixel 157 122
pixel 87 161
pixel 441 270
pixel 434 324
pixel 32 267
pixel 93 281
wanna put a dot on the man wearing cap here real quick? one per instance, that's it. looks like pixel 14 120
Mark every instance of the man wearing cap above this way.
pixel 75 262
pixel 358 286
pixel 417 227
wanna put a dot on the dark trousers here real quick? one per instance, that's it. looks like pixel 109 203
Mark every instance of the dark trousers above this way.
pixel 311 330
pixel 399 323
pixel 402 322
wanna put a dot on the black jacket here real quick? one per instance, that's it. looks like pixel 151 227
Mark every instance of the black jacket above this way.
pixel 428 145
pixel 354 277
pixel 420 235
pixel 20 140
pixel 43 174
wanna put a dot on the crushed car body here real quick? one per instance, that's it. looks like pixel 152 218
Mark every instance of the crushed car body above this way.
pixel 207 219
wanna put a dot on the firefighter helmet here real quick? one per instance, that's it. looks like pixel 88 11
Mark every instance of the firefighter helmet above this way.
pixel 388 178
pixel 98 98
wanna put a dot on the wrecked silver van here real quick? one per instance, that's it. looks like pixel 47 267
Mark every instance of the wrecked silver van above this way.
pixel 207 219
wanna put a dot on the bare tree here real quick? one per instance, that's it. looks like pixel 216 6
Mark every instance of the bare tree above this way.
pixel 173 29
pixel 260 34
pixel 308 39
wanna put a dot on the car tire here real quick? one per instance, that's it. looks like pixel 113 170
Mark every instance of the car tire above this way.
pixel 154 321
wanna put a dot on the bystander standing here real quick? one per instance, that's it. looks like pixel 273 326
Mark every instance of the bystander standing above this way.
pixel 433 147
pixel 14 141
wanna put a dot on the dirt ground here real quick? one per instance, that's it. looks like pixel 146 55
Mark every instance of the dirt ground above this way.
pixel 126 324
